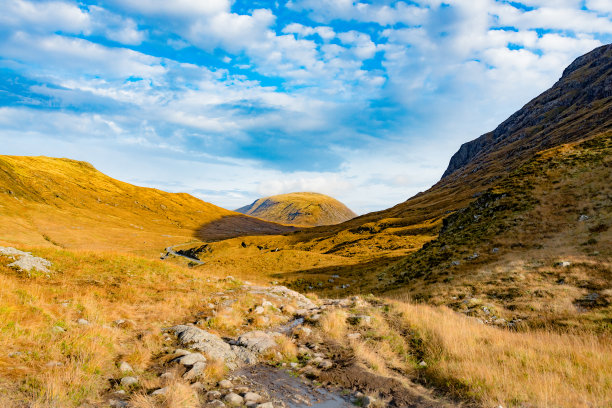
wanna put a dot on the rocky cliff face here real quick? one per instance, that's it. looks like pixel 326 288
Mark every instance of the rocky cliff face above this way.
pixel 577 105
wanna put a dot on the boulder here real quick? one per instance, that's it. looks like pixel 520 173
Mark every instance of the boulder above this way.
pixel 201 340
pixel 227 384
pixel 251 397
pixel 257 341
pixel 234 399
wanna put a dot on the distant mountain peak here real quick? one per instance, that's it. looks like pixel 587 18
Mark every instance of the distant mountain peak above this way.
pixel 303 209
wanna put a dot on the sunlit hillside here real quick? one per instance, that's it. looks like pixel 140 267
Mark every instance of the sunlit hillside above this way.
pixel 303 209
pixel 69 204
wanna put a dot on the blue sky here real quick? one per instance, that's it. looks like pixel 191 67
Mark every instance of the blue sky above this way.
pixel 233 100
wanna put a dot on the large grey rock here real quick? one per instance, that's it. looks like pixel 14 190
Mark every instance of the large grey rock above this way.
pixel 257 341
pixel 201 340
pixel 25 261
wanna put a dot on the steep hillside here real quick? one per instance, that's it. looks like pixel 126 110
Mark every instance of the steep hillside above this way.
pixel 304 209
pixel 70 204
pixel 491 237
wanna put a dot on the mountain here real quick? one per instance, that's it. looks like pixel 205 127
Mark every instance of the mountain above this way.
pixel 303 209
pixel 68 203
pixel 519 224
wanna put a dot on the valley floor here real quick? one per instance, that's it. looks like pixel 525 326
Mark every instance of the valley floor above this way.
pixel 107 329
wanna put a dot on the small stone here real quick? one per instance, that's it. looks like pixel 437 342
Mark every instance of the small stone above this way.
pixel 241 390
pixel 167 375
pixel 294 365
pixel 353 336
pixel 181 352
pixel 15 354
pixel 161 391
pixel 58 329
pixel 368 401
pixel 124 367
pixel 234 399
pixel 326 364
pixel 215 404
pixel 196 370
pixel 129 381
pixel 302 331
pixel 191 359
pixel 267 303
pixel 265 405
pixel 82 322
pixel 422 364
pixel 226 384
pixel 213 395
pixel 117 403
pixel 252 397
pixel 259 310
pixel 198 387
pixel 54 364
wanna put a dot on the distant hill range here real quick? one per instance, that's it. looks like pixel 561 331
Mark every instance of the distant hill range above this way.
pixel 68 203
pixel 302 209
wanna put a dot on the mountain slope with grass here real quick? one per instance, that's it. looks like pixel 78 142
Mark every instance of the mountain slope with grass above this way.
pixel 67 203
pixel 303 209
pixel 516 232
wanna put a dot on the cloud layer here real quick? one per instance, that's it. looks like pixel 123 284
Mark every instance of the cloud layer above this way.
pixel 231 100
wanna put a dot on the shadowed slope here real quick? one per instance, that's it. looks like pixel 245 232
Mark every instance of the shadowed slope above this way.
pixel 304 209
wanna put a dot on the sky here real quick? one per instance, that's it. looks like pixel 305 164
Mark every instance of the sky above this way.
pixel 231 100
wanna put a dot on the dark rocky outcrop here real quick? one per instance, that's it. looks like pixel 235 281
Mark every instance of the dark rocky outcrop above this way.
pixel 577 105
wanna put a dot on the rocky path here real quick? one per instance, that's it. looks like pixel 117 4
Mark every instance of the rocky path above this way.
pixel 286 363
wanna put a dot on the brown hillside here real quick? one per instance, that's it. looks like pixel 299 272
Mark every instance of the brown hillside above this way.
pixel 303 209
pixel 67 203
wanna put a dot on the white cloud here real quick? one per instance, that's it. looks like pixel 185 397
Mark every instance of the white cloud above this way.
pixel 56 52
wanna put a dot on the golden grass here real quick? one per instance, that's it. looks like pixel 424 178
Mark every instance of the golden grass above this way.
pixel 497 366
pixel 333 323
pixel 101 288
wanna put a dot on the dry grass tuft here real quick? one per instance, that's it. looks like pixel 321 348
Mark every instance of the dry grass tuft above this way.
pixel 334 324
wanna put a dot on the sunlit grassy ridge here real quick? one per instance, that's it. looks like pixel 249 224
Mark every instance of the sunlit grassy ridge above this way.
pixel 303 209
pixel 67 203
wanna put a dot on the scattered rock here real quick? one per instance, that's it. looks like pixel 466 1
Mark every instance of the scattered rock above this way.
pixel 161 391
pixel 191 358
pixel 257 341
pixel 129 381
pixel 117 403
pixel 227 384
pixel 198 387
pixel 82 322
pixel 302 331
pixel 422 364
pixel 213 395
pixel 124 367
pixel 58 329
pixel 353 336
pixel 167 376
pixel 563 264
pixel 251 397
pixel 25 261
pixel 196 370
pixel 326 364
pixel 201 340
pixel 216 404
pixel 265 405
pixel 259 310
pixel 234 399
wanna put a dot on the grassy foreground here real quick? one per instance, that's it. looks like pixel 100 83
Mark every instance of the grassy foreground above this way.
pixel 49 359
